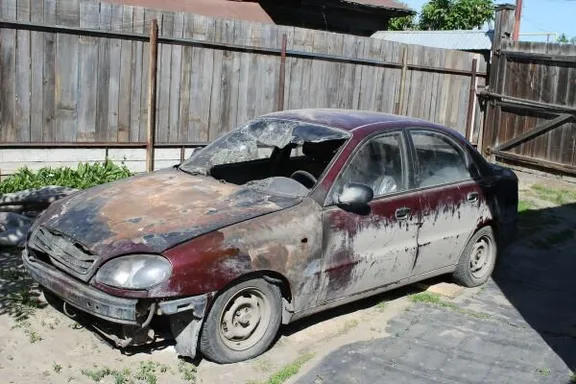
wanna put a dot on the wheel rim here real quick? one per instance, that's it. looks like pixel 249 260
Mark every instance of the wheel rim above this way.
pixel 481 257
pixel 245 318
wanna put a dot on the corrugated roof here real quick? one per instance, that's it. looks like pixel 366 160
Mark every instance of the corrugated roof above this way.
pixel 391 4
pixel 460 40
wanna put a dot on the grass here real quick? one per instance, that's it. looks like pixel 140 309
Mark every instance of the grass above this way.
pixel 187 371
pixel 33 336
pixel 543 371
pixel 348 325
pixel 526 205
pixel 381 305
pixel 558 196
pixel 573 377
pixel 97 374
pixel 146 373
pixel 263 365
pixel 56 367
pixel 436 300
pixel 289 370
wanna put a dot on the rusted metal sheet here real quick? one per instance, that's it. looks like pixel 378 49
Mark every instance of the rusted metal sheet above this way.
pixel 128 216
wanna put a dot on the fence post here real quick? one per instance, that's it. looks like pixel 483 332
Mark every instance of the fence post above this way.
pixel 282 75
pixel 503 29
pixel 151 128
pixel 471 101
pixel 400 102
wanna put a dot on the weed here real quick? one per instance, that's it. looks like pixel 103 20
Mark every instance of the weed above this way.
pixel 84 176
pixel 526 205
pixel 56 367
pixel 122 377
pixel 263 365
pixel 381 305
pixel 573 377
pixel 435 299
pixel 25 302
pixel 97 374
pixel 558 196
pixel 12 274
pixel 543 371
pixel 25 325
pixel 290 370
pixel 187 371
pixel 348 325
pixel 46 373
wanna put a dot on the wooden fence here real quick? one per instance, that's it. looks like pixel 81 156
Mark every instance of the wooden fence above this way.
pixel 532 104
pixel 76 71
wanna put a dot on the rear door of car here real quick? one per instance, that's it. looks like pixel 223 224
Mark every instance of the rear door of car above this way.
pixel 367 249
pixel 452 201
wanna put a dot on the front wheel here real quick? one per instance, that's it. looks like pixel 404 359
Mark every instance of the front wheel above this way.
pixel 242 323
pixel 478 259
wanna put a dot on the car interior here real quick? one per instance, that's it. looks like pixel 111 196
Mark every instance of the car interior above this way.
pixel 304 163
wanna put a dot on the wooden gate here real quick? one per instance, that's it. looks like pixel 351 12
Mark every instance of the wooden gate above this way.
pixel 531 104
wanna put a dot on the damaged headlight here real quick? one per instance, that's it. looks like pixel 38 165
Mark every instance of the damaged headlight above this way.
pixel 134 271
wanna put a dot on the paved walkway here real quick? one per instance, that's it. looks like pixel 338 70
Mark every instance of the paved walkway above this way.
pixel 519 328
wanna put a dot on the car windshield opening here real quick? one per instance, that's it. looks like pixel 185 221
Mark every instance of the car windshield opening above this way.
pixel 280 156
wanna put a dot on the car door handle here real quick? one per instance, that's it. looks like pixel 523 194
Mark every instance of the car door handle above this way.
pixel 403 213
pixel 472 197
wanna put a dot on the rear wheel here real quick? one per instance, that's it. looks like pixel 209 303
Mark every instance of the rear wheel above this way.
pixel 243 322
pixel 477 262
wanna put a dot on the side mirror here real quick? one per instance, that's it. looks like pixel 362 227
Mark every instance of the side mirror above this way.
pixel 355 194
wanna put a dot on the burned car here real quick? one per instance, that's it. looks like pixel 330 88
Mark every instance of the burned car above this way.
pixel 290 214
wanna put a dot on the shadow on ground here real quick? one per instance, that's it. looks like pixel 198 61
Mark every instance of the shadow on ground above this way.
pixel 537 276
pixel 19 295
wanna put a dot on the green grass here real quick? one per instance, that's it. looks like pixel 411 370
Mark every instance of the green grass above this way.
pixel 97 374
pixel 558 196
pixel 436 300
pixel 187 371
pixel 289 370
pixel 33 336
pixel 147 371
pixel 543 371
pixel 84 176
pixel 56 367
pixel 526 205
pixel 573 377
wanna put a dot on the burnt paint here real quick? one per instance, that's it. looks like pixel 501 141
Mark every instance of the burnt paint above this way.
pixel 154 212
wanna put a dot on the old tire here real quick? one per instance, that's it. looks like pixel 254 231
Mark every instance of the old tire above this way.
pixel 478 259
pixel 242 322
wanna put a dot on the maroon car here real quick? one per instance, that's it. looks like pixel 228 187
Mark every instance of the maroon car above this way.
pixel 290 214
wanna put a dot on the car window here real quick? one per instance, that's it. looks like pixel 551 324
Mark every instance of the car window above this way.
pixel 379 164
pixel 438 159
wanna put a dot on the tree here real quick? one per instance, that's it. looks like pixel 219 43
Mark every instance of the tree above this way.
pixel 562 39
pixel 448 15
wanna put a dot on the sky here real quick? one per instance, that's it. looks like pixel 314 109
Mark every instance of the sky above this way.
pixel 538 16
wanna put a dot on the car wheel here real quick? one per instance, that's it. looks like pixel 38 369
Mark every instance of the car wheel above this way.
pixel 478 259
pixel 242 322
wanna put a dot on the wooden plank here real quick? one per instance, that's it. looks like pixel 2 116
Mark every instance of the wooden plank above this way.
pixel 166 25
pixel 247 33
pixel 529 160
pixel 116 18
pixel 103 77
pixel 23 72
pixel 186 75
pixel 126 71
pixel 201 80
pixel 49 70
pixel 7 77
pixel 36 72
pixel 174 133
pixel 540 130
pixel 137 78
pixel 87 67
pixel 66 76
pixel 216 102
pixel 268 67
pixel 299 84
pixel 370 76
pixel 350 74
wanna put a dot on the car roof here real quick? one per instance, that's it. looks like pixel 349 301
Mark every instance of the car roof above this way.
pixel 346 119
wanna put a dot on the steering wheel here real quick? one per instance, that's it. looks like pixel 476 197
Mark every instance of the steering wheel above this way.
pixel 304 178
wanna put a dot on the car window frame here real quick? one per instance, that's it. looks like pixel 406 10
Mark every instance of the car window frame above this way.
pixel 468 160
pixel 406 165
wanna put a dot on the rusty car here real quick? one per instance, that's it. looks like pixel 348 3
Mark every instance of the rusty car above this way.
pixel 289 214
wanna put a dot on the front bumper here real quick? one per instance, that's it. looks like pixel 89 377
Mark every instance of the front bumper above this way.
pixel 80 295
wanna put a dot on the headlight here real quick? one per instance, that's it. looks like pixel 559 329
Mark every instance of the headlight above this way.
pixel 134 271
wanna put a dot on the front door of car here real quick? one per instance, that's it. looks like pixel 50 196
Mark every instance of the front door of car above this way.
pixel 368 247
pixel 452 201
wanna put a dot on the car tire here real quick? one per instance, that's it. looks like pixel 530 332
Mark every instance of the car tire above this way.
pixel 477 262
pixel 242 323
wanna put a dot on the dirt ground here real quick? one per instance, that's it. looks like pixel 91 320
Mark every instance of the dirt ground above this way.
pixel 41 345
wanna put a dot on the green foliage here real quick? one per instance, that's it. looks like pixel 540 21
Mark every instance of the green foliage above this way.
pixel 405 23
pixel 84 176
pixel 455 14
pixel 187 371
pixel 565 40
pixel 439 15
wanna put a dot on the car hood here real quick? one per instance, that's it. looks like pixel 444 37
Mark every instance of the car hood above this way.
pixel 153 212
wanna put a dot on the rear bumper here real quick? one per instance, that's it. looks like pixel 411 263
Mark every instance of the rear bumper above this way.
pixel 80 295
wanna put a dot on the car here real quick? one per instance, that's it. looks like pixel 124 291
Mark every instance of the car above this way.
pixel 290 214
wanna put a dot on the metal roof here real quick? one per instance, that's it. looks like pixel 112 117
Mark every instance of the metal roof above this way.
pixel 390 4
pixel 460 40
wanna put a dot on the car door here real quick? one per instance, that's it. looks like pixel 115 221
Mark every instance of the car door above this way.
pixel 376 246
pixel 452 201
